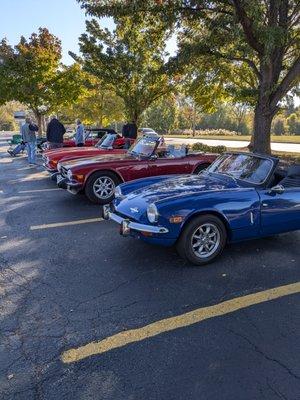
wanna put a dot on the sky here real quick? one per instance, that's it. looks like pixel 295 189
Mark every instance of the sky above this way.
pixel 63 18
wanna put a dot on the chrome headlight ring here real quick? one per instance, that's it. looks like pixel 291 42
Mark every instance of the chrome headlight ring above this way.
pixel 152 213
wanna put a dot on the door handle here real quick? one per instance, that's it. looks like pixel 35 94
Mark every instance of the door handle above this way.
pixel 265 204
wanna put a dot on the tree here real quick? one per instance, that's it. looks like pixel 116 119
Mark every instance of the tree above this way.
pixel 293 123
pixel 31 73
pixel 131 59
pixel 252 39
pixel 278 126
pixel 7 121
pixel 162 116
pixel 97 104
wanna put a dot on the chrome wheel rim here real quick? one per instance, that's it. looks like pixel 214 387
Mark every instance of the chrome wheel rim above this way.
pixel 104 187
pixel 205 240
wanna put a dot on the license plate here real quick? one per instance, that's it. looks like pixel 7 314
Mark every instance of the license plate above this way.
pixel 59 178
pixel 124 228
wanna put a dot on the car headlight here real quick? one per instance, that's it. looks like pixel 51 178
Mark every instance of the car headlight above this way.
pixel 118 193
pixel 152 213
pixel 69 174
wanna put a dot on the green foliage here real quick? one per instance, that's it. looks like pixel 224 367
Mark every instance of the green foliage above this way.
pixel 131 59
pixel 246 51
pixel 7 121
pixel 208 149
pixel 31 73
pixel 293 123
pixel 278 126
pixel 162 116
pixel 97 105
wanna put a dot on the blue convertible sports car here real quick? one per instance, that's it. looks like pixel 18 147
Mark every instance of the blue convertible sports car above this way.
pixel 240 196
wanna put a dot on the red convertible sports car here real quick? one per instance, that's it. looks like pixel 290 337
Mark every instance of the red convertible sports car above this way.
pixel 92 137
pixel 99 176
pixel 111 143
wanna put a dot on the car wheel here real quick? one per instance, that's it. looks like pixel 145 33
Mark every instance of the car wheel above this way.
pixel 200 168
pixel 100 187
pixel 202 239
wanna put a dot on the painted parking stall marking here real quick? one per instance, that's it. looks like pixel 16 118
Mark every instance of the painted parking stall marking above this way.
pixel 38 190
pixel 69 223
pixel 169 324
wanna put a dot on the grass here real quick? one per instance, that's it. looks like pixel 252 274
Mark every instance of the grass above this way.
pixel 278 139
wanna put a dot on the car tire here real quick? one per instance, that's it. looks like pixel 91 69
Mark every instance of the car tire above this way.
pixel 200 168
pixel 101 194
pixel 202 231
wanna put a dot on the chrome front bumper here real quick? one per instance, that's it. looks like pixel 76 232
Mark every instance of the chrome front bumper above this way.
pixel 51 170
pixel 126 225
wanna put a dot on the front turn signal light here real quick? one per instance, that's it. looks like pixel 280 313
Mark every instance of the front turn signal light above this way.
pixel 176 219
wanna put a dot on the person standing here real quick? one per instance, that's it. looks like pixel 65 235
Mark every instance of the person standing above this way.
pixel 132 130
pixel 79 135
pixel 29 137
pixel 55 133
pixel 129 131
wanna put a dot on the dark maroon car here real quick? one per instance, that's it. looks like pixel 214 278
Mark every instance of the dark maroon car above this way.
pixel 99 176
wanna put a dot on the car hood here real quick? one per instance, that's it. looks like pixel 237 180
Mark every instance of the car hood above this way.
pixel 71 150
pixel 175 187
pixel 101 159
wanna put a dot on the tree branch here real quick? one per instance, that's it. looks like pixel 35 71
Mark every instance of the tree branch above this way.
pixel 287 83
pixel 247 25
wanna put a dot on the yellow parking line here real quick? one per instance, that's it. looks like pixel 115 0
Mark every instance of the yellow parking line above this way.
pixel 38 190
pixel 179 321
pixel 59 224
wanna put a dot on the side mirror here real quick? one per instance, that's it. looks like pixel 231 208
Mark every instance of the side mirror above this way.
pixel 278 189
pixel 153 157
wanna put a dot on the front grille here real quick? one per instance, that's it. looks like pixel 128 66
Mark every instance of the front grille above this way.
pixel 124 216
pixel 64 172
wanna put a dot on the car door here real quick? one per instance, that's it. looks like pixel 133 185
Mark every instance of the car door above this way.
pixel 167 166
pixel 280 212
pixel 138 168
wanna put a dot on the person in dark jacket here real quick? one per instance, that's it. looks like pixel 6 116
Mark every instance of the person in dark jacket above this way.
pixel 55 133
pixel 132 130
pixel 129 131
pixel 125 131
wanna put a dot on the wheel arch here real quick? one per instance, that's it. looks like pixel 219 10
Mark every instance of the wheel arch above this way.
pixel 216 213
pixel 111 171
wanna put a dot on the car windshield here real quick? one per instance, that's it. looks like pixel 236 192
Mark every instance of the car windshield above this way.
pixel 245 167
pixel 106 141
pixel 144 147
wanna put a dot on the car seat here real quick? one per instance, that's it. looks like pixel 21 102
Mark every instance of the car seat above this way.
pixel 292 178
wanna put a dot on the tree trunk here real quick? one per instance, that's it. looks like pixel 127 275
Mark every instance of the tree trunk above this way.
pixel 101 111
pixel 38 117
pixel 264 113
pixel 261 139
pixel 194 120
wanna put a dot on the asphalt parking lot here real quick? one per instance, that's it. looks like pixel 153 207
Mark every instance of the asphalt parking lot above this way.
pixel 76 301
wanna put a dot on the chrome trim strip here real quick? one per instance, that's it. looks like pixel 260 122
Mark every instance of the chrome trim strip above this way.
pixel 136 226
